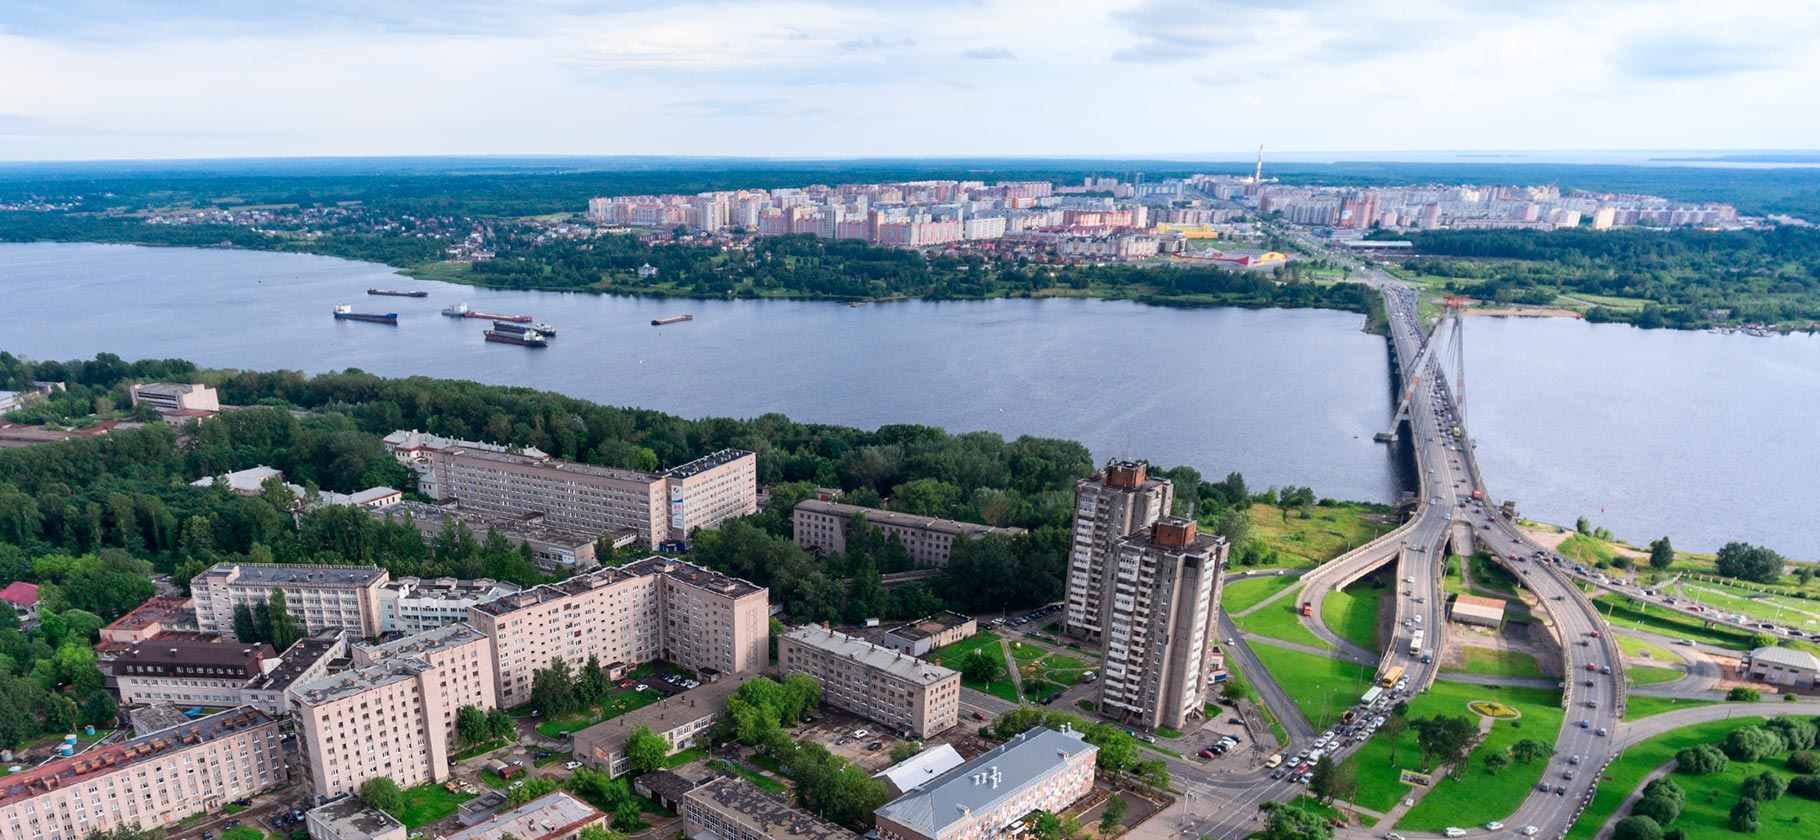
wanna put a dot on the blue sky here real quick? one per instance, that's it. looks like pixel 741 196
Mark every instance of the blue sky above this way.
pixel 94 79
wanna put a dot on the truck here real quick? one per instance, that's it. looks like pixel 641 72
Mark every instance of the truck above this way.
pixel 1391 675
pixel 1415 643
pixel 1308 608
pixel 1478 495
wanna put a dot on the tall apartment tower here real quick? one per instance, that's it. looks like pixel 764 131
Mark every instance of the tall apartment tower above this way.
pixel 1161 629
pixel 1116 502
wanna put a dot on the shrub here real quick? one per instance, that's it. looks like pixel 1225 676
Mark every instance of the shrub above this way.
pixel 1752 743
pixel 1637 828
pixel 1803 761
pixel 1700 760
pixel 1741 694
pixel 1806 787
pixel 1764 787
pixel 1798 733
pixel 1744 816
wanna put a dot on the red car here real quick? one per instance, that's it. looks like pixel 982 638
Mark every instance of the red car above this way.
pixel 1591 667
pixel 1206 754
pixel 979 716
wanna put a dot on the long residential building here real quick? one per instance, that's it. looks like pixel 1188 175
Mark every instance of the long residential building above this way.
pixel 731 808
pixel 878 683
pixel 393 713
pixel 411 605
pixel 656 608
pixel 652 507
pixel 190 672
pixel 1039 770
pixel 150 782
pixel 552 548
pixel 684 720
pixel 319 597
pixel 929 540
pixel 1161 624
pixel 1118 501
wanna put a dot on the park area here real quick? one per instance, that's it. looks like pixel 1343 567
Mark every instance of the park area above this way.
pixel 1311 535
pixel 955 656
pixel 1045 672
pixel 1709 797
pixel 1322 687
pixel 1280 619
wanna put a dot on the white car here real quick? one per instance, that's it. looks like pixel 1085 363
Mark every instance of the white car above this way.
pixel 571 765
pixel 860 733
pixel 1530 831
pixel 1494 825
pixel 1450 831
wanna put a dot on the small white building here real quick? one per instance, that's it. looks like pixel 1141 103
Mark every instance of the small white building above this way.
pixel 919 769
pixel 1780 666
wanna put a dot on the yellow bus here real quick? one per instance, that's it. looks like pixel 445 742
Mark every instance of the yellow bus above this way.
pixel 1391 675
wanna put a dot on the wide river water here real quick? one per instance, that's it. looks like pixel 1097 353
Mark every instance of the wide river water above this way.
pixel 1704 437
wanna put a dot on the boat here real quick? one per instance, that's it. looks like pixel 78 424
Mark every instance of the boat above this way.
pixel 345 312
pixel 673 319
pixel 547 330
pixel 456 311
pixel 397 293
pixel 857 304
pixel 527 338
pixel 461 310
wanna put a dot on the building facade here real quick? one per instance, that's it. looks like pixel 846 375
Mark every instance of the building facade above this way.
pixel 190 673
pixel 823 526
pixel 1161 624
pixel 552 548
pixel 656 608
pixel 176 398
pixel 393 713
pixel 1039 770
pixel 1120 500
pixel 730 808
pixel 878 683
pixel 150 781
pixel 413 605
pixel 684 720
pixel 319 597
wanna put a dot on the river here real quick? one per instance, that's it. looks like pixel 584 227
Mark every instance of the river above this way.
pixel 1699 436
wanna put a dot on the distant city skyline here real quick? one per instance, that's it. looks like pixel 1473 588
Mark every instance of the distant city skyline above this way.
pixel 1194 79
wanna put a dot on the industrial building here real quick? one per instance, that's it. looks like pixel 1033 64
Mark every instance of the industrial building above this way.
pixel 1472 609
pixel 176 399
pixel 1781 666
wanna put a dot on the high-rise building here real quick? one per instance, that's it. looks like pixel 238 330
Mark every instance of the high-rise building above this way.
pixel 319 597
pixel 656 608
pixel 1161 624
pixel 1118 501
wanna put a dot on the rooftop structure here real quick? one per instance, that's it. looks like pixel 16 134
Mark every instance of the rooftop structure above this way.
pixel 553 816
pixel 247 482
pixel 1042 769
pixel 824 525
pixel 920 769
pixel 305 660
pixel 730 808
pixel 918 637
pixel 156 717
pixel 892 688
pixel 348 818
pixel 158 614
pixel 414 605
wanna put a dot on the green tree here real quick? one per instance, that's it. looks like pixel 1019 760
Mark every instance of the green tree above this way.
pixel 382 793
pixel 1745 816
pixel 1393 728
pixel 1283 821
pixel 983 665
pixel 1046 826
pixel 627 816
pixel 904 750
pixel 499 724
pixel 531 789
pixel 1745 694
pixel 1748 562
pixel 285 630
pixel 1495 762
pixel 646 750
pixel 471 726
pixel 1803 762
pixel 1752 743
pixel 1661 554
pixel 553 689
pixel 1661 801
pixel 1530 750
pixel 1764 787
pixel 1636 828
pixel 1444 739
pixel 1115 811
pixel 1331 781
pixel 1700 760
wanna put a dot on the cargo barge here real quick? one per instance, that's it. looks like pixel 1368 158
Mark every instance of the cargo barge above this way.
pixel 345 312
pixel 547 330
pixel 397 293
pixel 461 310
pixel 527 338
pixel 673 319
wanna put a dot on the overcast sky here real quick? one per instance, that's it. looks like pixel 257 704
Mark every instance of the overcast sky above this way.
pixel 90 79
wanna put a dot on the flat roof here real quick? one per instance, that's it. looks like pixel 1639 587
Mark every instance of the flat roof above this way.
pixel 706 699
pixel 1009 769
pixel 100 760
pixel 1478 601
pixel 429 641
pixel 279 574
pixel 449 588
pixel 155 610
pixel 922 768
pixel 705 463
pixel 348 816
pixel 547 463
pixel 677 570
pixel 869 655
pixel 773 817
pixel 874 516
pixel 298 658
pixel 557 814
pixel 929 625
pixel 519 529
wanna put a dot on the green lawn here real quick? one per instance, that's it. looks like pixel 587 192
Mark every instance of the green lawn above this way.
pixel 952 656
pixel 1498 663
pixel 1641 706
pixel 1328 532
pixel 1492 578
pixel 1652 675
pixel 1478 797
pixel 1634 647
pixel 1581 548
pixel 617 703
pixel 1639 760
pixel 1354 614
pixel 1241 595
pixel 687 756
pixel 1664 620
pixel 1731 600
pixel 1281 620
pixel 428 803
pixel 1321 687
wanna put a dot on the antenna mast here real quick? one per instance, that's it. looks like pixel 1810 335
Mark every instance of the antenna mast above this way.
pixel 1258 177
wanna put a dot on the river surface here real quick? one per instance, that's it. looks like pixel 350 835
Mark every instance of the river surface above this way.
pixel 1704 437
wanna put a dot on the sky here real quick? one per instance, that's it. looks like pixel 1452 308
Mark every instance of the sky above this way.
pixel 130 79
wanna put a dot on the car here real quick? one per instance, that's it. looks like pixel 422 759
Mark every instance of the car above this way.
pixel 1591 667
pixel 1590 683
pixel 1604 669
pixel 1601 733
pixel 841 740
pixel 572 765
pixel 979 716
pixel 1567 774
pixel 1391 835
pixel 1306 778
pixel 1585 724
pixel 1545 787
pixel 543 754
pixel 860 733
pixel 642 687
pixel 1529 831
pixel 1236 721
pixel 1206 754
pixel 1595 634
pixel 875 746
pixel 518 784
pixel 208 835
pixel 1685 642
pixel 1560 790
pixel 1573 759
pixel 1592 704
pixel 231 824
pixel 1279 773
pixel 1494 825
pixel 1450 831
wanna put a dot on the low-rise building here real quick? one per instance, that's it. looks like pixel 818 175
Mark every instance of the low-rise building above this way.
pixel 155 718
pixel 23 598
pixel 666 788
pixel 940 630
pixel 159 614
pixel 251 482
pixel 247 482
pixel 1472 609
pixel 684 720
pixel 1781 666
pixel 192 673
pixel 878 683
pixel 150 782
pixel 552 548
pixel 412 605
pixel 319 597
pixel 553 816
pixel 823 525
pixel 171 398
pixel 730 808
pixel 920 769
pixel 306 660
pixel 1040 770
pixel 348 818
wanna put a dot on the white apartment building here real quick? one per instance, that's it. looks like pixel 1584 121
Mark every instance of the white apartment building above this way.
pixel 319 597
pixel 412 605
pixel 1118 501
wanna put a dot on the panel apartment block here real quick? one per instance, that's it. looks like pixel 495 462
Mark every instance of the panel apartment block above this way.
pixel 600 500
pixel 150 782
pixel 1161 624
pixel 1118 501
pixel 877 683
pixel 824 525
pixel 319 597
pixel 1039 770
pixel 656 608
pixel 393 713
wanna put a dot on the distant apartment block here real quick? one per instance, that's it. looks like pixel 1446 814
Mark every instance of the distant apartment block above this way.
pixel 916 638
pixel 1039 770
pixel 190 673
pixel 824 526
pixel 683 720
pixel 393 713
pixel 412 605
pixel 1118 501
pixel 656 608
pixel 651 507
pixel 177 399
pixel 896 690
pixel 319 597
pixel 552 548
pixel 730 808
pixel 149 782
pixel 417 450
pixel 1161 624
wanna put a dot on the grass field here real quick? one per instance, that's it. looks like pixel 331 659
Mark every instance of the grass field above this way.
pixel 1321 687
pixel 1794 612
pixel 1281 620
pixel 1477 796
pixel 1492 578
pixel 1640 649
pixel 1354 614
pixel 1241 595
pixel 1584 549
pixel 617 703
pixel 428 803
pixel 1639 760
pixel 1637 707
pixel 952 655
pixel 1498 663
pixel 1328 532
pixel 1652 675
